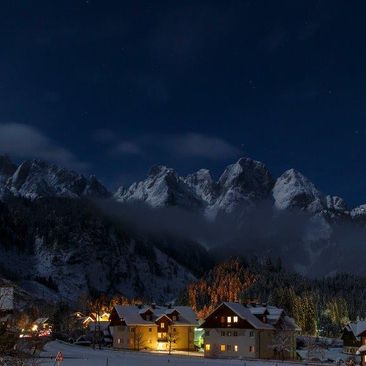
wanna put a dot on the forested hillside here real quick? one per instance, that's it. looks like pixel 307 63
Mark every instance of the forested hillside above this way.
pixel 321 306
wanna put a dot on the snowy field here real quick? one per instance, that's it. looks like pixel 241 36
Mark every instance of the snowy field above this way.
pixel 83 356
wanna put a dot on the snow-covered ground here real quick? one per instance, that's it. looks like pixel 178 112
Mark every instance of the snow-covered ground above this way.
pixel 80 356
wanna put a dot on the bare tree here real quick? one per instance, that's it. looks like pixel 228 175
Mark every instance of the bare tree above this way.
pixel 139 339
pixel 281 344
pixel 172 338
pixel 315 351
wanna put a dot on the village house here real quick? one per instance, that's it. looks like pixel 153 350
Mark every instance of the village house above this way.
pixel 352 336
pixel 160 328
pixel 362 349
pixel 235 330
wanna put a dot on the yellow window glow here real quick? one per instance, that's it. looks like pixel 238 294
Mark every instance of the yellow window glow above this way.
pixel 207 347
pixel 162 325
pixel 236 348
pixel 222 348
pixel 235 319
pixel 229 319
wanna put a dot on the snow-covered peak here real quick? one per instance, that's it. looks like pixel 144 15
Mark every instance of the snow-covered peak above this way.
pixel 36 178
pixel 293 189
pixel 241 186
pixel 359 212
pixel 248 174
pixel 160 170
pixel 336 203
pixel 202 184
pixel 163 187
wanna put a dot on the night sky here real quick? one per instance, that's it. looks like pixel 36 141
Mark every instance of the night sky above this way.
pixel 111 88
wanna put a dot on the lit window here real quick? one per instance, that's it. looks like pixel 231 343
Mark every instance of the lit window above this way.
pixel 235 319
pixel 222 348
pixel 229 319
pixel 207 347
pixel 174 318
pixel 159 335
pixel 236 348
pixel 251 348
pixel 119 341
pixel 162 325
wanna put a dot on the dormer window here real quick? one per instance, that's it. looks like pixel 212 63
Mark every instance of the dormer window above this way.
pixel 235 319
pixel 162 325
pixel 229 319
pixel 174 318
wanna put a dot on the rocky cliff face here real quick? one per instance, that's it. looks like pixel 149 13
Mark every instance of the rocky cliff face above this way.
pixel 299 222
pixel 36 179
pixel 57 243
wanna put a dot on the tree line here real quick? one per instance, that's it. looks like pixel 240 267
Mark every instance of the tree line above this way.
pixel 319 306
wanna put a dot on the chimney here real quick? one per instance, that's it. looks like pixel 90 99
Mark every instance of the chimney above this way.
pixel 153 305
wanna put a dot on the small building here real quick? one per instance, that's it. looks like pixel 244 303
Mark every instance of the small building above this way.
pixel 351 336
pixel 158 328
pixel 235 330
pixel 362 349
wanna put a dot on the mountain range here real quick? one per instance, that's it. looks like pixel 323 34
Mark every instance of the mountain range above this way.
pixel 58 241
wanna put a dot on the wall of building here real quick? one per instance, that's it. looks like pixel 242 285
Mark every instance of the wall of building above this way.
pixel 229 343
pixel 247 343
pixel 146 337
pixel 184 338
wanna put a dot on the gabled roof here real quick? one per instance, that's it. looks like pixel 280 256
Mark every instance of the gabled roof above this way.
pixel 273 315
pixel 357 327
pixel 132 314
pixel 245 314
pixel 40 321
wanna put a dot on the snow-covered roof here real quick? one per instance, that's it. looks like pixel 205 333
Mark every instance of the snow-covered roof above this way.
pixel 245 314
pixel 357 327
pixel 273 314
pixel 362 349
pixel 132 314
pixel 6 298
pixel 40 321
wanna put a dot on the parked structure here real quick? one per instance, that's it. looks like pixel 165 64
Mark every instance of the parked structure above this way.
pixel 153 327
pixel 250 331
pixel 352 336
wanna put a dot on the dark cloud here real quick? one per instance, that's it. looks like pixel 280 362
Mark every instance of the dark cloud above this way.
pixel 189 145
pixel 24 141
pixel 304 242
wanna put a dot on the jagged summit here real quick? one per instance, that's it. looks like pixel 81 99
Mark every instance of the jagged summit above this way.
pixel 242 184
pixel 162 188
pixel 293 190
pixel 203 185
pixel 37 178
